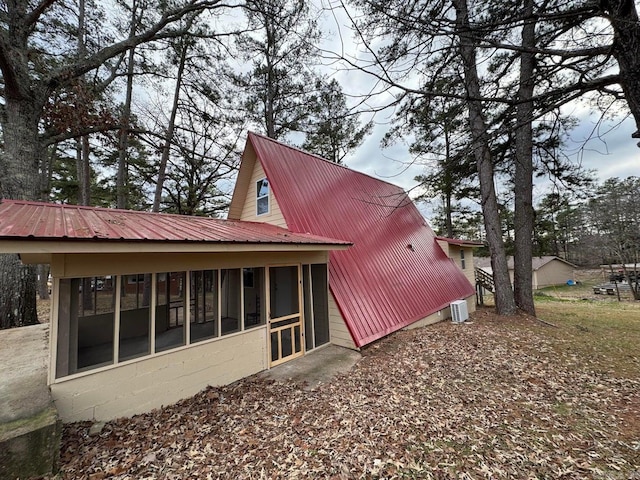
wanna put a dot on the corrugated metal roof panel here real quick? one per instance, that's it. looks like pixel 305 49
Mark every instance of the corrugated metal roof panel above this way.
pixel 46 221
pixel 395 274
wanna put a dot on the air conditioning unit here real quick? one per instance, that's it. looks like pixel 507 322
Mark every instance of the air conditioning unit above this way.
pixel 459 312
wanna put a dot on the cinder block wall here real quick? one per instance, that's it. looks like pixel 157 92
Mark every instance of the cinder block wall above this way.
pixel 150 383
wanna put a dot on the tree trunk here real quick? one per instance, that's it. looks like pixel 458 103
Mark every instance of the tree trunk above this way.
pixel 623 16
pixel 20 166
pixel 123 144
pixel 523 182
pixel 125 119
pixel 20 180
pixel 162 168
pixel 43 281
pixel 83 171
pixel 17 292
pixel 82 145
pixel 505 304
pixel 448 181
pixel 269 104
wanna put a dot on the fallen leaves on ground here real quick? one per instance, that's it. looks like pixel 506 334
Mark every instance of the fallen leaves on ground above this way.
pixel 490 399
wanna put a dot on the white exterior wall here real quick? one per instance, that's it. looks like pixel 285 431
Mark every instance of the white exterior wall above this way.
pixel 453 252
pixel 142 385
pixel 338 332
pixel 468 270
pixel 274 216
pixel 84 264
pixel 471 304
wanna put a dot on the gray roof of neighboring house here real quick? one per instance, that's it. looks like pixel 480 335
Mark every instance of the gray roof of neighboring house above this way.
pixel 536 262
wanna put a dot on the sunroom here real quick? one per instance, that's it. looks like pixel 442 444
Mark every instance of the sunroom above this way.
pixel 148 308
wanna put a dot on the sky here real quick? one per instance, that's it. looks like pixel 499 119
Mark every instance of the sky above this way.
pixel 607 148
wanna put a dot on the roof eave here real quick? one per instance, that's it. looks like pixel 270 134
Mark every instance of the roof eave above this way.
pixel 34 251
pixel 460 243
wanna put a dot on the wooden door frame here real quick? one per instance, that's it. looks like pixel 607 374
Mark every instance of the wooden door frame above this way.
pixel 300 315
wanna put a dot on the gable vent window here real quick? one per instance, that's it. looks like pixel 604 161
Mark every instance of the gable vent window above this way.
pixel 262 197
pixel 462 262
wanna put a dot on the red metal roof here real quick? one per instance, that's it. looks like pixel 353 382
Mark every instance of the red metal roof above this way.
pixel 395 274
pixel 46 221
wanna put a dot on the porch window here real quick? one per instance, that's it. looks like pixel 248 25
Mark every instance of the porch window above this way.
pixel 170 312
pixel 106 320
pixel 203 289
pixel 86 324
pixel 135 317
pixel 253 288
pixel 316 305
pixel 230 305
pixel 262 197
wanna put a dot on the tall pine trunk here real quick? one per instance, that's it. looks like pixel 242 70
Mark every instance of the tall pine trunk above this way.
pixel 505 304
pixel 123 142
pixel 166 149
pixel 523 182
pixel 122 194
pixel 83 169
pixel 623 15
pixel 20 180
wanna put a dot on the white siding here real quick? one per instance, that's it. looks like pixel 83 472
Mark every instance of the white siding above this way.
pixel 453 252
pixel 338 332
pixel 274 216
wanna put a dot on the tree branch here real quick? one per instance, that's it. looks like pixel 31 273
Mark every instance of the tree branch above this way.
pixel 155 32
pixel 35 14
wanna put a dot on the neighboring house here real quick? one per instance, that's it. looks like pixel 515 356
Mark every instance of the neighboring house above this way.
pixel 461 252
pixel 547 270
pixel 150 308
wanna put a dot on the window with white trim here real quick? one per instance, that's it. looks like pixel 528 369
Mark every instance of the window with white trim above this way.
pixel 463 263
pixel 262 197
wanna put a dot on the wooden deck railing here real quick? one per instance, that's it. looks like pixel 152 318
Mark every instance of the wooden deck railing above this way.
pixel 484 279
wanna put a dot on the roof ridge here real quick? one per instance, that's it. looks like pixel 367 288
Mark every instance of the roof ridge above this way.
pixel 304 152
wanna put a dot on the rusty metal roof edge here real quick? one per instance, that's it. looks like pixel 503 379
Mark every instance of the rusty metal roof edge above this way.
pixel 252 229
pixel 33 238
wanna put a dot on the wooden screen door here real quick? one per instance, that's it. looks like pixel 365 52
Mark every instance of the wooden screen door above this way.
pixel 285 317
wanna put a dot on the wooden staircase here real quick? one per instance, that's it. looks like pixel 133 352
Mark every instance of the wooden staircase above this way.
pixel 484 281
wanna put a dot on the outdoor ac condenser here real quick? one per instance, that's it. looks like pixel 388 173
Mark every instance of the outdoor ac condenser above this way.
pixel 459 312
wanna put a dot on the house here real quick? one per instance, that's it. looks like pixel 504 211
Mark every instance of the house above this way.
pixel 150 308
pixel 394 275
pixel 461 252
pixel 548 270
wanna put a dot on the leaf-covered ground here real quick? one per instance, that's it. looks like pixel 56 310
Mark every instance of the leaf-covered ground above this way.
pixel 490 399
